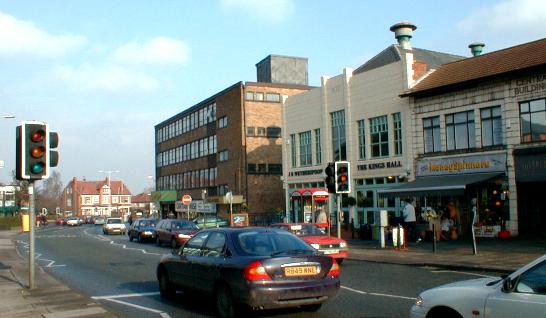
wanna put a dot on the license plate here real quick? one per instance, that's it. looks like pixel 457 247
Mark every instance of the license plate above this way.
pixel 116 230
pixel 300 271
pixel 331 251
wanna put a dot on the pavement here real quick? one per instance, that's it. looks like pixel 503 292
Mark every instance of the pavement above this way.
pixel 53 299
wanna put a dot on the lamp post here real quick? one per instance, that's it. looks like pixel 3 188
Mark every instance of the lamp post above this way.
pixel 109 173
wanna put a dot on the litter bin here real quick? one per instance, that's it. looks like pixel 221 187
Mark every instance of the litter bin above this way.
pixel 25 222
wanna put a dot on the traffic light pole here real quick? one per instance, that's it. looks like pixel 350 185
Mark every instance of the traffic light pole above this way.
pixel 339 215
pixel 31 251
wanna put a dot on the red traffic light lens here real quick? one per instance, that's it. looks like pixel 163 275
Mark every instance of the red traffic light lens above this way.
pixel 37 136
pixel 37 152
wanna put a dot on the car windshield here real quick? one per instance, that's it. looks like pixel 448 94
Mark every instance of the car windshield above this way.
pixel 184 226
pixel 147 223
pixel 308 230
pixel 267 243
pixel 114 221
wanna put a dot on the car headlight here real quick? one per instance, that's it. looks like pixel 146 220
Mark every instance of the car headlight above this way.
pixel 419 301
pixel 343 244
pixel 148 232
pixel 184 236
pixel 315 246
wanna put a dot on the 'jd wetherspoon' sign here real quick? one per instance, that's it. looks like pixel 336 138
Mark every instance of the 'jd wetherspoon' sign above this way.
pixel 465 164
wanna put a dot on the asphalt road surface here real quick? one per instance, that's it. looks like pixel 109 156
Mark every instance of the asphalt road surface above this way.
pixel 121 275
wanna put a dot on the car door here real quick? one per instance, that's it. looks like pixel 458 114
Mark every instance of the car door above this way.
pixel 206 266
pixel 184 274
pixel 526 299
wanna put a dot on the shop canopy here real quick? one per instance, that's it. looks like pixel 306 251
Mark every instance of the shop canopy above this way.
pixel 437 185
pixel 317 194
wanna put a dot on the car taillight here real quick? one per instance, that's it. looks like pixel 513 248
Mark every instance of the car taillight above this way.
pixel 334 270
pixel 256 271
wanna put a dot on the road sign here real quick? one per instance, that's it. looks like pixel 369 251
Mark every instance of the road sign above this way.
pixel 186 199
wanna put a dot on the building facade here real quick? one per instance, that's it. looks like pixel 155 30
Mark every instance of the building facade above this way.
pixel 480 124
pixel 226 150
pixel 93 198
pixel 357 116
pixel 8 204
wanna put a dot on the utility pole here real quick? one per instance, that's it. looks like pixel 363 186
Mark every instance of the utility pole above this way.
pixel 31 250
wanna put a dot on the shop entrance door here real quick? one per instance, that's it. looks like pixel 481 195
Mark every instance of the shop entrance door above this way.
pixel 531 209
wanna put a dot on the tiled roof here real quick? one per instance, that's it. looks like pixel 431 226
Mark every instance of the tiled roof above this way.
pixel 524 56
pixel 141 198
pixel 93 187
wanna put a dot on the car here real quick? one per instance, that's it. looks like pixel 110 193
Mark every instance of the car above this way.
pixel 318 238
pixel 520 294
pixel 73 221
pixel 250 268
pixel 114 225
pixel 210 221
pixel 98 220
pixel 142 229
pixel 175 232
pixel 60 221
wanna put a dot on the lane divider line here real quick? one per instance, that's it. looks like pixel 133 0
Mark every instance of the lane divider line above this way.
pixel 125 296
pixel 161 313
pixel 465 273
pixel 377 294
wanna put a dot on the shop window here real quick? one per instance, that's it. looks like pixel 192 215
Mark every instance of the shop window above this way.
pixel 533 120
pixel 379 180
pixel 369 181
pixel 460 132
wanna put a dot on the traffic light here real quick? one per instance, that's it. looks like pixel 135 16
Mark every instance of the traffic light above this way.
pixel 330 180
pixel 343 177
pixel 33 154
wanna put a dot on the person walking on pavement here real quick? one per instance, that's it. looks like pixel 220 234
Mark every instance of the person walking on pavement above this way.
pixel 409 221
pixel 322 217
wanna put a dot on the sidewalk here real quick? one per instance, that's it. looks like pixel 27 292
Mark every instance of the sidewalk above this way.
pixel 51 298
pixel 502 255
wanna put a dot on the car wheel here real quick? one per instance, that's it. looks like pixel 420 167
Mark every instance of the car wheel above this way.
pixel 224 303
pixel 157 241
pixel 165 288
pixel 443 312
pixel 173 243
pixel 130 237
pixel 312 308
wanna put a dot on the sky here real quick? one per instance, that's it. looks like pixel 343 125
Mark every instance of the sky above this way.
pixel 103 73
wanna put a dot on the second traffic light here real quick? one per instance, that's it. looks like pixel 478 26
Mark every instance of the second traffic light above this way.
pixel 343 177
pixel 330 179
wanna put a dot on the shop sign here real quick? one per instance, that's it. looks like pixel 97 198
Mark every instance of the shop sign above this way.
pixel 163 196
pixel 380 165
pixel 530 84
pixel 459 165
pixel 530 168
pixel 305 173
pixel 195 206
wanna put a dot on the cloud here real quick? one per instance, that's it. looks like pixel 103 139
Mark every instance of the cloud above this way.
pixel 274 11
pixel 109 78
pixel 159 51
pixel 510 16
pixel 22 37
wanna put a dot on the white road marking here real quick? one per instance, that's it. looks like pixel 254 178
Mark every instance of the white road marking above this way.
pixel 38 256
pixel 465 273
pixel 125 296
pixel 377 294
pixel 114 298
pixel 124 246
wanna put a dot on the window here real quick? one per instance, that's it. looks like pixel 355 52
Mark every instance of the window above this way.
pixel 251 168
pixel 275 168
pixel 260 131
pixel 273 131
pixel 431 132
pixel 361 139
pixel 273 97
pixel 491 126
pixel 293 150
pixel 249 96
pixel 259 96
pixel 262 168
pixel 460 133
pixel 222 122
pixel 215 245
pixel 379 133
pixel 223 155
pixel 533 281
pixel 397 120
pixel 533 120
pixel 250 131
pixel 306 156
pixel 318 147
pixel 193 246
pixel 339 145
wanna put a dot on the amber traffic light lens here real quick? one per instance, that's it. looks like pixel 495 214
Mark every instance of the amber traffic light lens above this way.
pixel 37 152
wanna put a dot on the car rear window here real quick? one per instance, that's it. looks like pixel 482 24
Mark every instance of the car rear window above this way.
pixel 185 226
pixel 264 243
pixel 113 221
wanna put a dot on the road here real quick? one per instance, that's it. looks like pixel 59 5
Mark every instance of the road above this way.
pixel 121 275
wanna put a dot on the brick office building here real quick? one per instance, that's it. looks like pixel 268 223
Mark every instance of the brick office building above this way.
pixel 231 142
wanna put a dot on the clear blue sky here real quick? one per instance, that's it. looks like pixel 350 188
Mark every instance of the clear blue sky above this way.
pixel 103 73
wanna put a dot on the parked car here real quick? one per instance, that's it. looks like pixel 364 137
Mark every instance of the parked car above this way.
pixel 174 232
pixel 73 221
pixel 210 221
pixel 99 220
pixel 142 229
pixel 520 294
pixel 114 226
pixel 250 267
pixel 318 238
pixel 60 221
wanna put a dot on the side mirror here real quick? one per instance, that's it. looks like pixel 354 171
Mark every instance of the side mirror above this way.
pixel 507 285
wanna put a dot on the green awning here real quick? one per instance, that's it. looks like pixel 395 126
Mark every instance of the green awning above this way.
pixel 437 185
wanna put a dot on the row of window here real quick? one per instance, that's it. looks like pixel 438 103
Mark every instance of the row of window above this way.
pixel 95 199
pixel 189 180
pixel 193 150
pixel 272 131
pixel 189 122
pixel 263 168
pixel 305 148
pixel 261 97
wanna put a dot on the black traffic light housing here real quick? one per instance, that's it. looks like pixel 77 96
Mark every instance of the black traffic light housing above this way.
pixel 33 154
pixel 330 179
pixel 343 177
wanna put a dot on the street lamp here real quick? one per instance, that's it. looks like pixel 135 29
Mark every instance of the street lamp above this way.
pixel 109 173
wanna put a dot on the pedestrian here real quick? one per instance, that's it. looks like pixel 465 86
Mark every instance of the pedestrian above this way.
pixel 409 221
pixel 322 217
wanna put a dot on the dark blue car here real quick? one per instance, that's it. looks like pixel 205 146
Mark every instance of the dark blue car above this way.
pixel 142 230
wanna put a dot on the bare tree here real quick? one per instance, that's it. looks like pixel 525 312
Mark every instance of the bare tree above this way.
pixel 49 195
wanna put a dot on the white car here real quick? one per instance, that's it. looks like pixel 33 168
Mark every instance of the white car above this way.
pixel 73 222
pixel 520 294
pixel 114 226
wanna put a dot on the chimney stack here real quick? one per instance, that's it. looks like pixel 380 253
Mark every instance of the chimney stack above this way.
pixel 476 48
pixel 403 31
